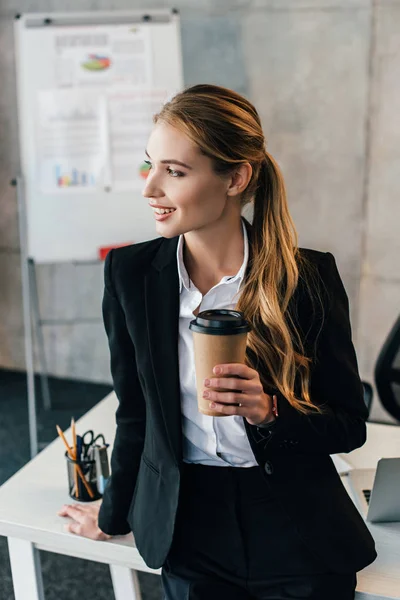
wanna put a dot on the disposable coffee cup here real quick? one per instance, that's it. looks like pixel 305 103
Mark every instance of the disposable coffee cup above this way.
pixel 219 337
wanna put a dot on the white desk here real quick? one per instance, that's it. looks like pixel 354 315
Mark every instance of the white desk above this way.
pixel 30 500
pixel 382 578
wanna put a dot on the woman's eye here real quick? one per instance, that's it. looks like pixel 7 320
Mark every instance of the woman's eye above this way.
pixel 174 173
pixel 147 162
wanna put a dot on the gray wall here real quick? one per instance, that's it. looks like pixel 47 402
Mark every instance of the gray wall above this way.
pixel 325 78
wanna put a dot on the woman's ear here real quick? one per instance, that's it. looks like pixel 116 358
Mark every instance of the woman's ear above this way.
pixel 239 179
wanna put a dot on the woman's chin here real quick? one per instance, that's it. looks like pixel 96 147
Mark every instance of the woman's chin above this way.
pixel 165 231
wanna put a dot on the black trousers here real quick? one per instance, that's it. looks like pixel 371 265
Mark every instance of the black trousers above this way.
pixel 233 540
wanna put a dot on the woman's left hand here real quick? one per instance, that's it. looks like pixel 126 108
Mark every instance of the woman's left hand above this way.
pixel 247 398
pixel 84 520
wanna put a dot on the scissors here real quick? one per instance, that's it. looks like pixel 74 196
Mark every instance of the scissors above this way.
pixel 89 440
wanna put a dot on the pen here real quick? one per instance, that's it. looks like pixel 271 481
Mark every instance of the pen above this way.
pixel 79 442
pixel 75 457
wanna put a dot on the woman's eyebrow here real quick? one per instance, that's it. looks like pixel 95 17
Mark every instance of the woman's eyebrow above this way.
pixel 172 161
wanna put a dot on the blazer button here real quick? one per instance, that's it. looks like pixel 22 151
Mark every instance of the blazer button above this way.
pixel 268 468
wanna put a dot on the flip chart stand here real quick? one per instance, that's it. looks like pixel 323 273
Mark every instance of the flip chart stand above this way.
pixel 32 324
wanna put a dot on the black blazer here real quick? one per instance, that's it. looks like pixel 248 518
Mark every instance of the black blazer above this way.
pixel 141 313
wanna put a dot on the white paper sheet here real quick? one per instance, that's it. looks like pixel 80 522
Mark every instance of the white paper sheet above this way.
pixel 71 141
pixel 103 55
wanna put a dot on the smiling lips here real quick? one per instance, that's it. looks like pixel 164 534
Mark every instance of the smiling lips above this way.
pixel 163 211
pixel 158 206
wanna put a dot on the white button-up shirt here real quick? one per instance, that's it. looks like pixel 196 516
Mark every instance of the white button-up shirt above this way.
pixel 217 441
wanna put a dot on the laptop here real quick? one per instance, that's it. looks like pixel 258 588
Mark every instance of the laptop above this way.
pixel 377 492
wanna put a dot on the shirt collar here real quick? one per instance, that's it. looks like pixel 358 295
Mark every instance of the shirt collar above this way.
pixel 183 274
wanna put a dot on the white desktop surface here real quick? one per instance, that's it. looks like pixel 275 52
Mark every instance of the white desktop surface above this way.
pixel 31 498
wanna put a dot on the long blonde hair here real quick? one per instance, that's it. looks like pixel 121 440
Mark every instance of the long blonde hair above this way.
pixel 227 128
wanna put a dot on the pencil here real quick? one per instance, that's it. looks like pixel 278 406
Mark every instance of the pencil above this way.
pixel 69 451
pixel 75 457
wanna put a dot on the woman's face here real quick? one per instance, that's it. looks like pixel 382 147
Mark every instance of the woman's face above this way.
pixel 181 177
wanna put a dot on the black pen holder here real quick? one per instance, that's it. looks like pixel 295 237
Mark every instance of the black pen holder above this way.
pixel 76 488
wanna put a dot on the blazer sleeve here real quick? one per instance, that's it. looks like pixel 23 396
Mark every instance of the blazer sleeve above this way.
pixel 130 414
pixel 334 384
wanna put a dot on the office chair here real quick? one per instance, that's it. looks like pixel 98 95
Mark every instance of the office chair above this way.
pixel 387 372
pixel 368 393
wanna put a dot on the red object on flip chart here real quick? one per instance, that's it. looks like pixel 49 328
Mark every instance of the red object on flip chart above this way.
pixel 104 250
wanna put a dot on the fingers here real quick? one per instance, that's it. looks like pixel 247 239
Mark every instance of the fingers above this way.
pixel 88 529
pixel 231 409
pixel 78 511
pixel 233 369
pixel 62 512
pixel 85 521
pixel 73 511
pixel 234 397
pixel 245 409
pixel 74 527
pixel 232 383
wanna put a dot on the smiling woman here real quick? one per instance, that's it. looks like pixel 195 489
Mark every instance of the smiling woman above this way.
pixel 215 501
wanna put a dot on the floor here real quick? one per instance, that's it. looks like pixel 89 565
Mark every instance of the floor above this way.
pixel 64 578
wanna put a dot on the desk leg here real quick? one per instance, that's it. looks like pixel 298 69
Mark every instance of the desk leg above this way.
pixel 26 570
pixel 125 583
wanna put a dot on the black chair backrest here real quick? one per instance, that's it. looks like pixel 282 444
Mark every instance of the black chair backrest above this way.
pixel 368 395
pixel 387 372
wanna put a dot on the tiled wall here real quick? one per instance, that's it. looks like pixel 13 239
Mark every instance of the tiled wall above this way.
pixel 325 78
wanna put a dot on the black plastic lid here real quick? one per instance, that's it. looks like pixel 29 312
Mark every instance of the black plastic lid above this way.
pixel 220 322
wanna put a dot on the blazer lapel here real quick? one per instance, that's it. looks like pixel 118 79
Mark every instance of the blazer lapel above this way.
pixel 162 316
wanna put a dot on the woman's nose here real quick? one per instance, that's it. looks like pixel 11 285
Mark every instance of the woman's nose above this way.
pixel 151 190
pixel 145 191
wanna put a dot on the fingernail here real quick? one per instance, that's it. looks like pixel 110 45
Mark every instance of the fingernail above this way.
pixel 212 405
pixel 217 370
pixel 206 394
pixel 206 382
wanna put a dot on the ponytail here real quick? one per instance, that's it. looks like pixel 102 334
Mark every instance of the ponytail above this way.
pixel 274 344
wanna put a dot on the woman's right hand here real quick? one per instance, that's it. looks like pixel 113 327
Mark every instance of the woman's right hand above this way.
pixel 84 520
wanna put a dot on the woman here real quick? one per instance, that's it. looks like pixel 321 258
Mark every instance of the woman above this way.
pixel 247 506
